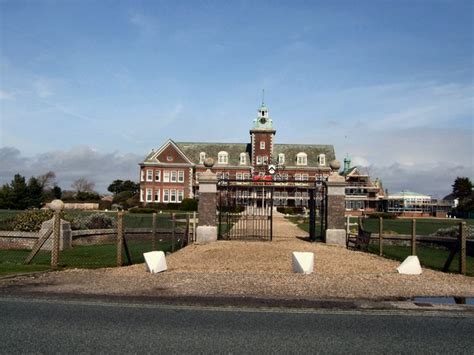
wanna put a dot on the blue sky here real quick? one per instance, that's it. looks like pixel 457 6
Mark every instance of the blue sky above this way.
pixel 87 88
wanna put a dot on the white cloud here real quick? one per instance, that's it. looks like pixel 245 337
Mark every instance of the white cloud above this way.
pixel 43 87
pixel 5 95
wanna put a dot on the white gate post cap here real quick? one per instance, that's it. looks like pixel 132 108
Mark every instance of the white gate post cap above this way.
pixel 410 266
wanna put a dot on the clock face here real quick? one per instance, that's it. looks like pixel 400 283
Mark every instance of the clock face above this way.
pixel 263 120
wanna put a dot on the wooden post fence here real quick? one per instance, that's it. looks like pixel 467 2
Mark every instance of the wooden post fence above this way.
pixel 413 237
pixel 380 236
pixel 194 226
pixel 119 238
pixel 173 225
pixel 153 231
pixel 56 235
pixel 462 247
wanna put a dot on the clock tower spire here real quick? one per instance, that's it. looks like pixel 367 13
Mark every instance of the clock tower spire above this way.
pixel 261 136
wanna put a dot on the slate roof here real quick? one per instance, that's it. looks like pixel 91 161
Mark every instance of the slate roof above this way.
pixel 312 150
pixel 192 150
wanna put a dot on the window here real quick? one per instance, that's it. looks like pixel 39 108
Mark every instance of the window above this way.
pixel 262 145
pixel 285 176
pixel 226 176
pixel 281 158
pixel 265 160
pixel 157 175
pixel 298 177
pixel 304 177
pixel 259 160
pixel 166 176
pixel 321 159
pixel 222 158
pixel 246 176
pixel 149 175
pixel 157 195
pixel 202 157
pixel 142 176
pixel 149 193
pixel 198 176
pixel 173 176
pixel 180 195
pixel 141 195
pixel 243 158
pixel 166 195
pixel 301 159
pixel 173 196
pixel 181 176
pixel 238 176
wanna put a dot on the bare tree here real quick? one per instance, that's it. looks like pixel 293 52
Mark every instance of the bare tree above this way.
pixel 83 185
pixel 47 180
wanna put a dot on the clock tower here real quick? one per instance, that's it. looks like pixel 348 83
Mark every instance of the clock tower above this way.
pixel 261 137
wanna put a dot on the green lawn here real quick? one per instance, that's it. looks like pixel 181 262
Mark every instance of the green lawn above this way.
pixel 94 256
pixel 424 226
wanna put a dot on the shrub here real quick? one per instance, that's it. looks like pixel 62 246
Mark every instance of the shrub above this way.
pixel 94 221
pixel 290 210
pixel 189 204
pixel 384 215
pixel 447 232
pixel 142 210
pixel 31 221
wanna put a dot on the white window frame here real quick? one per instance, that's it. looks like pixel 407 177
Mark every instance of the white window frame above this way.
pixel 238 176
pixel 243 158
pixel 173 195
pixel 158 175
pixel 174 176
pixel 142 193
pixel 265 160
pixel 142 175
pixel 301 159
pixel 262 144
pixel 259 160
pixel 166 195
pixel 281 158
pixel 246 176
pixel 149 195
pixel 166 176
pixel 297 177
pixel 223 158
pixel 202 157
pixel 226 176
pixel 180 196
pixel 304 177
pixel 149 175
pixel 322 159
pixel 180 176
pixel 157 195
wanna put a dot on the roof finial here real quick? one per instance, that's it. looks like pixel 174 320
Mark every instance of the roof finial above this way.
pixel 263 97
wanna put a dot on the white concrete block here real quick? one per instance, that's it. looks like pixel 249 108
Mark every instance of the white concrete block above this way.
pixel 336 237
pixel 410 266
pixel 206 234
pixel 303 262
pixel 155 261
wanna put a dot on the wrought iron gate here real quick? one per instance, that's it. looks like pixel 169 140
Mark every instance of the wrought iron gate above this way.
pixel 246 207
pixel 245 210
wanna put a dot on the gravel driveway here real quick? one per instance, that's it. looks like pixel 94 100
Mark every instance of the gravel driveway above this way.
pixel 261 269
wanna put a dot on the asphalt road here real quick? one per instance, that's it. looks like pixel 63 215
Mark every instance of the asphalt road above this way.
pixel 41 326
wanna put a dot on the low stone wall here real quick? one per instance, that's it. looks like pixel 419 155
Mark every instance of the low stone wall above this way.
pixel 79 205
pixel 17 240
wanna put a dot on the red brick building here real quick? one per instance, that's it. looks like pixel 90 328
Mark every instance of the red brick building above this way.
pixel 172 172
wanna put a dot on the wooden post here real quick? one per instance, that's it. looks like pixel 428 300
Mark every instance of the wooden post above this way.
pixel 56 235
pixel 380 236
pixel 348 225
pixel 188 228
pixel 119 238
pixel 194 226
pixel 173 223
pixel 413 237
pixel 462 247
pixel 153 231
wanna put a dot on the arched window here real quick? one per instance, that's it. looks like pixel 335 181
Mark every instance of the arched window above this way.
pixel 301 159
pixel 202 157
pixel 243 158
pixel 281 158
pixel 322 159
pixel 222 158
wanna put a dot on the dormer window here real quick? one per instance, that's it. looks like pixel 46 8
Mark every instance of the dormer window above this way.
pixel 301 159
pixel 202 157
pixel 322 159
pixel 243 158
pixel 281 158
pixel 223 158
